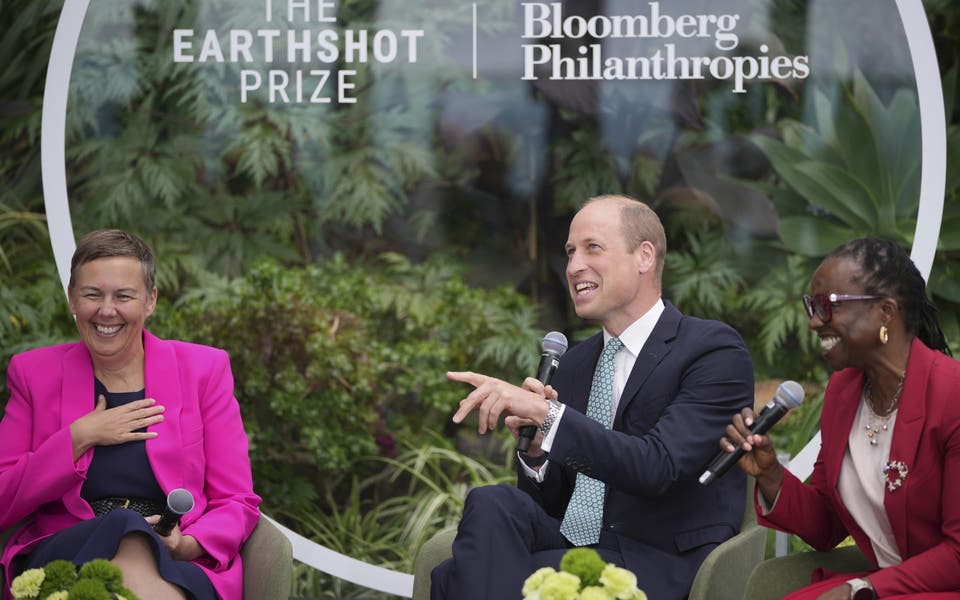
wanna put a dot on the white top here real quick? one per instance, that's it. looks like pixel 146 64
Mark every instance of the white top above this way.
pixel 633 339
pixel 862 482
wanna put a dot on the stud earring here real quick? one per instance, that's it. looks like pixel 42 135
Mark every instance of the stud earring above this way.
pixel 884 336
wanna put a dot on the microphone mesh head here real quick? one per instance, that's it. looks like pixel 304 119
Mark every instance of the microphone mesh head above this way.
pixel 789 394
pixel 180 501
pixel 554 342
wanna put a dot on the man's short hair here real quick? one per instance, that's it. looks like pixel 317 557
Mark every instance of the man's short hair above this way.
pixel 639 223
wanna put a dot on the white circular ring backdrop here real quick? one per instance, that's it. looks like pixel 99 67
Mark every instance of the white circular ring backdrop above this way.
pixel 53 166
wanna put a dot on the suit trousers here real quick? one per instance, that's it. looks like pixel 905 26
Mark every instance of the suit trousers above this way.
pixel 504 536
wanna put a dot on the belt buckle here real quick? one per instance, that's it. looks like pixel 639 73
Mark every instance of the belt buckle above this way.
pixel 126 503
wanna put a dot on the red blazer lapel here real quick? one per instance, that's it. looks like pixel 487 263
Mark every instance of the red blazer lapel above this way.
pixel 906 439
pixel 840 421
pixel 836 423
pixel 162 381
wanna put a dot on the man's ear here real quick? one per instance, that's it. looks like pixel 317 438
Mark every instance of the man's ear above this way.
pixel 646 257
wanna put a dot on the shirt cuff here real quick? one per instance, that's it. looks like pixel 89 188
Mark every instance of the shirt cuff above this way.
pixel 537 476
pixel 766 509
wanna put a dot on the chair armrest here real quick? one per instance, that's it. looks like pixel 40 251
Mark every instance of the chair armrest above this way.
pixel 724 573
pixel 777 577
pixel 433 552
pixel 267 557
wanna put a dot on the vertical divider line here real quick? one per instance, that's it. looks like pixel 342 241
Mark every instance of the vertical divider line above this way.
pixel 474 40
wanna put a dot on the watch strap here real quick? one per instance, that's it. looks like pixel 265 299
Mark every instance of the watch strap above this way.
pixel 552 413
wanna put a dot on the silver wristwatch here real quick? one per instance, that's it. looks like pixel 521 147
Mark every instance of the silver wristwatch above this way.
pixel 860 589
pixel 552 415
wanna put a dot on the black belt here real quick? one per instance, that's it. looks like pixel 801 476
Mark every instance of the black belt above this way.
pixel 141 505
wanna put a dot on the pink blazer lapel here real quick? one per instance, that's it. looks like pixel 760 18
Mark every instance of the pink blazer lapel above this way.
pixel 76 400
pixel 76 394
pixel 906 439
pixel 162 380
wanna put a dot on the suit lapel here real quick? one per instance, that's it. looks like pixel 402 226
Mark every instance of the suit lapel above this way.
pixel 906 436
pixel 162 381
pixel 579 392
pixel 654 350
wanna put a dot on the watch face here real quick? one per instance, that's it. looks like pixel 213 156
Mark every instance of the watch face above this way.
pixel 864 593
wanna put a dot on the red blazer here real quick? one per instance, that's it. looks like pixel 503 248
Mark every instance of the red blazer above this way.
pixel 200 446
pixel 924 511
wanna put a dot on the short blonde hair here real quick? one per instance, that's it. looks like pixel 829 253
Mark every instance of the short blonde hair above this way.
pixel 639 223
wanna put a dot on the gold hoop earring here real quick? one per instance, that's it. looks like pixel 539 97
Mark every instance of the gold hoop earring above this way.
pixel 884 336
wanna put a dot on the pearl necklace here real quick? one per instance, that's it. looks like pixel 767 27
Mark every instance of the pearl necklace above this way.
pixel 875 429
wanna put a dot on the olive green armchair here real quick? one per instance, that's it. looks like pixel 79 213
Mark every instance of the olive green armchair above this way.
pixel 775 578
pixel 723 575
pixel 267 563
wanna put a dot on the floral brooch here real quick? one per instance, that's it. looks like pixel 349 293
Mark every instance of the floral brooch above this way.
pixel 894 473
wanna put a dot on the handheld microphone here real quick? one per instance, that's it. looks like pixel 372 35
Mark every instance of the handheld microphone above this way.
pixel 554 344
pixel 179 503
pixel 789 395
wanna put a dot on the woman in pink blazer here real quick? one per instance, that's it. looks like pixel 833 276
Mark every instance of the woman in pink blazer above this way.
pixel 888 472
pixel 118 420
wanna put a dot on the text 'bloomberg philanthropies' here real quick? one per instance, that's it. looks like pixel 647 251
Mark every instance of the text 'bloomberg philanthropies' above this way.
pixel 550 58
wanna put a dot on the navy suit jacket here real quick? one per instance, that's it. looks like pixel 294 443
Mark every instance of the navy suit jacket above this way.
pixel 691 377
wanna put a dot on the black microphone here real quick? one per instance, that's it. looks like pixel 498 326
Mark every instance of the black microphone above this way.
pixel 179 503
pixel 789 395
pixel 554 344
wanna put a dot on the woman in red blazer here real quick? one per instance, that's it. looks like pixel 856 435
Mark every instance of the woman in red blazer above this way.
pixel 119 420
pixel 888 472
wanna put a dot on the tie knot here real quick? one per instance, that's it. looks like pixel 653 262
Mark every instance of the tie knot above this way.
pixel 612 346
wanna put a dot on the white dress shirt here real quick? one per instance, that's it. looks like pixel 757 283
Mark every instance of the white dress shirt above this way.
pixel 633 339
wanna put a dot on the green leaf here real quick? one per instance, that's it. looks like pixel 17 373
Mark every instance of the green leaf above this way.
pixel 813 236
pixel 836 190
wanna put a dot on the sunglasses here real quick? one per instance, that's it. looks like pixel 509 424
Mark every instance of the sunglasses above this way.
pixel 822 304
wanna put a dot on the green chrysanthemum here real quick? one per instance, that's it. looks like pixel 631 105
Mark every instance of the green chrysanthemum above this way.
pixel 89 589
pixel 620 582
pixel 27 584
pixel 126 594
pixel 560 586
pixel 595 593
pixel 533 583
pixel 104 571
pixel 60 575
pixel 585 563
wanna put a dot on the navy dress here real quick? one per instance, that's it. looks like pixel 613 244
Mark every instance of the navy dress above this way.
pixel 119 471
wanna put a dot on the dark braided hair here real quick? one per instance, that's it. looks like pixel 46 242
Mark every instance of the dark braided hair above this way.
pixel 888 271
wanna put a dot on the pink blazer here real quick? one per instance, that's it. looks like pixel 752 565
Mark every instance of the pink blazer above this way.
pixel 200 446
pixel 924 511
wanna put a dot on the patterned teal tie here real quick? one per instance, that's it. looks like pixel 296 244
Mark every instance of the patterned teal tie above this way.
pixel 584 516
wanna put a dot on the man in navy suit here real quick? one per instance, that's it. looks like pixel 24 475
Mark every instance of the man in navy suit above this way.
pixel 675 383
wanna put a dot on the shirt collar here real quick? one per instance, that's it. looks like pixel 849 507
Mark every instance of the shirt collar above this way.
pixel 635 336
